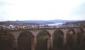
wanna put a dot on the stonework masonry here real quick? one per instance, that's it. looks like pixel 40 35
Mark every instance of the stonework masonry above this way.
pixel 43 39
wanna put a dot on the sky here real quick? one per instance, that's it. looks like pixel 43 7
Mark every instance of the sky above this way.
pixel 42 10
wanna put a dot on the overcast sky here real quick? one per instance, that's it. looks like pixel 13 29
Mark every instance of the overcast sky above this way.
pixel 42 9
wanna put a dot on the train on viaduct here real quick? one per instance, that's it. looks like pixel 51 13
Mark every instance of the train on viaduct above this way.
pixel 43 39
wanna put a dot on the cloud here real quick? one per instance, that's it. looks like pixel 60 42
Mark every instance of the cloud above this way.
pixel 79 11
pixel 41 9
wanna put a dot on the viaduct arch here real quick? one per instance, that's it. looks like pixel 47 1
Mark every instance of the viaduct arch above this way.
pixel 42 40
pixel 25 40
pixel 58 39
pixel 7 41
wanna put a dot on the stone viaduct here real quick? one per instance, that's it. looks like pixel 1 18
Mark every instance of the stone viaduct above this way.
pixel 69 38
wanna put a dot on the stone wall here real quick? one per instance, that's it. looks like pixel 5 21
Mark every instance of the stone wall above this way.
pixel 43 39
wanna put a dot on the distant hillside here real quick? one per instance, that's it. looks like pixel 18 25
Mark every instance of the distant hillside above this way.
pixel 37 22
pixel 75 23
